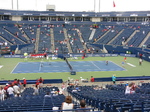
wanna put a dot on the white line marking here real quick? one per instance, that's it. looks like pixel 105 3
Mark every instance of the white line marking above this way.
pixel 1 66
pixel 14 68
pixel 95 65
pixel 117 65
pixel 40 66
pixel 131 64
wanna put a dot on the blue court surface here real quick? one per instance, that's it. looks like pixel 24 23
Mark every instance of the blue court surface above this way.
pixel 78 66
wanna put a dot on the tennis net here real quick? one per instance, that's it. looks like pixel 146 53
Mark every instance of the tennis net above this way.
pixel 68 64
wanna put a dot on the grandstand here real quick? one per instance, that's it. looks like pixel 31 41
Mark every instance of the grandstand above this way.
pixel 70 47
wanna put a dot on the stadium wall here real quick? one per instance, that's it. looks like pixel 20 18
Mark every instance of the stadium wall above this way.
pixel 112 49
pixel 145 56
pixel 117 49
pixel 46 81
pixel 105 79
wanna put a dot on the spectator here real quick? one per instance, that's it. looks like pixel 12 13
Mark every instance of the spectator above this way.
pixel 19 83
pixel 92 79
pixel 10 91
pixel 76 82
pixel 9 82
pixel 114 79
pixel 6 95
pixel 133 88
pixel 56 93
pixel 36 90
pixel 2 93
pixel 127 84
pixel 143 32
pixel 48 94
pixel 24 83
pixel 16 90
pixel 15 82
pixel 83 107
pixel 128 88
pixel 63 88
pixel 67 104
pixel 41 82
pixel 37 83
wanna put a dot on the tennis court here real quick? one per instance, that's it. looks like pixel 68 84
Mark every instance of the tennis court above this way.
pixel 78 66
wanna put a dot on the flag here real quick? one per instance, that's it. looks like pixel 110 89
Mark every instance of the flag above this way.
pixel 114 5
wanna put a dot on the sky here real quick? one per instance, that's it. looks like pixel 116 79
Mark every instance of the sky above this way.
pixel 77 5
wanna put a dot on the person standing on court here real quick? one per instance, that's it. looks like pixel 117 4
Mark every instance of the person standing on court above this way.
pixel 140 55
pixel 125 59
pixel 84 54
pixel 106 62
pixel 114 79
pixel 123 63
pixel 140 61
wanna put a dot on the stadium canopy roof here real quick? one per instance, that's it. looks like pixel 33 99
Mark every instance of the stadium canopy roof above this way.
pixel 75 14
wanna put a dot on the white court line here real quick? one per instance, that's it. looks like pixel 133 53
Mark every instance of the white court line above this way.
pixel 117 65
pixel 1 66
pixel 131 64
pixel 40 66
pixel 95 65
pixel 14 68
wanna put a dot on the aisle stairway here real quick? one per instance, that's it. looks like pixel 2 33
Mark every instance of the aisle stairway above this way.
pixel 92 34
pixel 52 40
pixel 37 40
pixel 6 40
pixel 14 36
pixel 25 35
pixel 130 37
pixel 146 38
pixel 102 36
pixel 82 41
pixel 115 37
pixel 68 43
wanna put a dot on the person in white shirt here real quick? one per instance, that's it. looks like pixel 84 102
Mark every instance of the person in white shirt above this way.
pixel 140 61
pixel 2 92
pixel 48 95
pixel 16 90
pixel 10 91
pixel 67 104
pixel 36 90
pixel 128 89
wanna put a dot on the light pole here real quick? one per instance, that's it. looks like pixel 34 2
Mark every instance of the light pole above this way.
pixel 99 5
pixel 94 4
pixel 17 5
pixel 12 4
